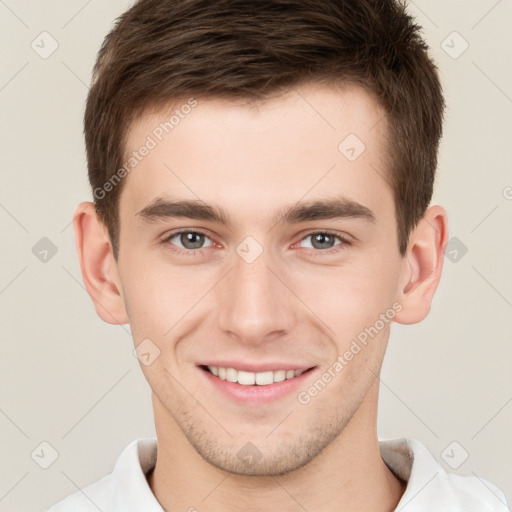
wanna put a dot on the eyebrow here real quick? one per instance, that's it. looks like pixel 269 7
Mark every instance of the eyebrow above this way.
pixel 334 208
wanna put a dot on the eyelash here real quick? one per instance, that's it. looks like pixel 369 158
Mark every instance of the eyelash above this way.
pixel 193 252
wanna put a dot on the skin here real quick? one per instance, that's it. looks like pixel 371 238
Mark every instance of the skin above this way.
pixel 293 303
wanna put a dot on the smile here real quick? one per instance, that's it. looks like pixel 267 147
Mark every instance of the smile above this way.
pixel 245 378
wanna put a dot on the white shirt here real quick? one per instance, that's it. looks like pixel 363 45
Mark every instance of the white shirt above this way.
pixel 429 487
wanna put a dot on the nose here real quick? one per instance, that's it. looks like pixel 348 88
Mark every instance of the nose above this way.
pixel 254 303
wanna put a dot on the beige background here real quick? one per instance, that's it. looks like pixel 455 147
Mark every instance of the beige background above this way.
pixel 72 381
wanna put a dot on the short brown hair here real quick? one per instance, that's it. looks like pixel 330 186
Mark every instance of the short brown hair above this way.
pixel 161 50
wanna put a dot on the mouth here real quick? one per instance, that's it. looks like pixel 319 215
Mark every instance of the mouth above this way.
pixel 255 387
pixel 246 378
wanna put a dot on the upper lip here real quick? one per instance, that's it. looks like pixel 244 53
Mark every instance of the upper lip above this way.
pixel 257 367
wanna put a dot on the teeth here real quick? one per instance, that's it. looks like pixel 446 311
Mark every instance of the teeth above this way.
pixel 250 378
pixel 246 378
pixel 264 378
pixel 231 375
pixel 279 375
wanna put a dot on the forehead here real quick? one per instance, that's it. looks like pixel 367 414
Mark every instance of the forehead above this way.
pixel 310 142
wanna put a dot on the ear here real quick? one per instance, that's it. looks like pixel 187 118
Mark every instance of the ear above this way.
pixel 99 268
pixel 422 266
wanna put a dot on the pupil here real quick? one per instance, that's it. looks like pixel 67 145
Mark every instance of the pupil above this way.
pixel 322 238
pixel 187 239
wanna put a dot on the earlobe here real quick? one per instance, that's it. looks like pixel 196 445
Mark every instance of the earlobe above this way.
pixel 422 266
pixel 98 266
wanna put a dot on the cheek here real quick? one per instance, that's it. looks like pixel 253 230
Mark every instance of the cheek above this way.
pixel 159 295
pixel 348 298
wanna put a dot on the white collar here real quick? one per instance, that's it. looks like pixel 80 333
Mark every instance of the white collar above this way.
pixel 429 487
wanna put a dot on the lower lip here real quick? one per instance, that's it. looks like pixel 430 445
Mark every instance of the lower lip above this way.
pixel 255 394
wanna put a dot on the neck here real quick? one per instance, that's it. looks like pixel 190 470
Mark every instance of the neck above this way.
pixel 349 475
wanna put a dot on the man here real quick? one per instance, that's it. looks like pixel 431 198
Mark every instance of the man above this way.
pixel 262 174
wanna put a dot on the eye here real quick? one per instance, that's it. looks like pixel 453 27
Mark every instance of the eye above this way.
pixel 188 239
pixel 323 240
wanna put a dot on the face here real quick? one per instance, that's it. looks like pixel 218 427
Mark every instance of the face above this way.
pixel 226 261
